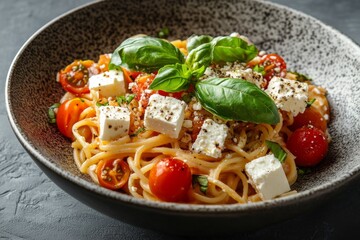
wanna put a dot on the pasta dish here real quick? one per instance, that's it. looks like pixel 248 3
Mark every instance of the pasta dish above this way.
pixel 205 120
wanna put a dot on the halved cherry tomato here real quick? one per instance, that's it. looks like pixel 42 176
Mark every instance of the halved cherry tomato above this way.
pixel 309 145
pixel 113 173
pixel 68 114
pixel 75 77
pixel 170 180
pixel 310 116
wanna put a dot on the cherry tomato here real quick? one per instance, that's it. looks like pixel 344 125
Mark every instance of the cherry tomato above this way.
pixel 309 145
pixel 112 173
pixel 74 78
pixel 68 114
pixel 170 180
pixel 309 117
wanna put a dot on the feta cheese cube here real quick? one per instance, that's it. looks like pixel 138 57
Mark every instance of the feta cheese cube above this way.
pixel 164 115
pixel 114 122
pixel 108 84
pixel 288 95
pixel 267 176
pixel 211 138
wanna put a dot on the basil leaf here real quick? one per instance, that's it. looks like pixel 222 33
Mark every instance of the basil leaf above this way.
pixel 277 150
pixel 195 41
pixel 231 49
pixel 202 181
pixel 172 78
pixel 146 54
pixel 236 99
pixel 199 58
pixel 125 99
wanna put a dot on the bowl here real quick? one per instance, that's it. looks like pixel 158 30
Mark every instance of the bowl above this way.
pixel 307 45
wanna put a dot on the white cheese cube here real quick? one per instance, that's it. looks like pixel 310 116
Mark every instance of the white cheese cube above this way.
pixel 164 115
pixel 114 122
pixel 211 138
pixel 288 95
pixel 108 84
pixel 267 176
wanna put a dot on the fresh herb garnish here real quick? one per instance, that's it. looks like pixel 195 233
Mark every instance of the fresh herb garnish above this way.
pixel 125 99
pixel 164 32
pixel 137 132
pixel 147 54
pixel 202 181
pixel 195 41
pixel 51 112
pixel 301 77
pixel 187 97
pixel 277 150
pixel 99 104
pixel 309 103
pixel 303 170
pixel 172 78
pixel 259 69
pixel 236 99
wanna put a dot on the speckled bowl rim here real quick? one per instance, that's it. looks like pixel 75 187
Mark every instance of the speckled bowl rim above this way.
pixel 301 197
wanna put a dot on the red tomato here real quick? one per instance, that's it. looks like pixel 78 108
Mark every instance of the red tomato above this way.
pixel 112 173
pixel 170 180
pixel 309 145
pixel 74 78
pixel 309 117
pixel 68 114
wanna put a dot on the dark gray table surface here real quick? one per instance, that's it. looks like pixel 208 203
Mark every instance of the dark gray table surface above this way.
pixel 33 207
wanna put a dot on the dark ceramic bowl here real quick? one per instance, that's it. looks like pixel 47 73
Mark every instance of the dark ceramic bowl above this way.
pixel 307 45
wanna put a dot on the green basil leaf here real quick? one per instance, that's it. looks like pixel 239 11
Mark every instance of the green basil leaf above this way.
pixel 301 77
pixel 277 150
pixel 236 99
pixel 172 78
pixel 199 58
pixel 146 54
pixel 231 49
pixel 195 41
pixel 202 181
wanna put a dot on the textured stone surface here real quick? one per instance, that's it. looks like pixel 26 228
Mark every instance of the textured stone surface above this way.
pixel 32 207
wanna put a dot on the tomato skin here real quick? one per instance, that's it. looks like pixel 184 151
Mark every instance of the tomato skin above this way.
pixel 75 77
pixel 68 114
pixel 309 145
pixel 309 117
pixel 113 173
pixel 170 180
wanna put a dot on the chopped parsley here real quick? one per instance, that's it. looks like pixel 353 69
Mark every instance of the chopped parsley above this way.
pixel 259 69
pixel 301 77
pixel 125 99
pixel 309 103
pixel 51 112
pixel 137 132
pixel 164 32
pixel 202 181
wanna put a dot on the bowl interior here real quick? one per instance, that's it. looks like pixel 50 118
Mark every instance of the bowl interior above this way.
pixel 308 46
